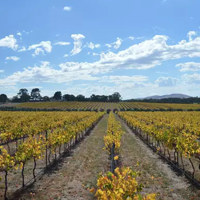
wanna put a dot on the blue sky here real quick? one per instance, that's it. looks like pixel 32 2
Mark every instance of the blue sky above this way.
pixel 138 48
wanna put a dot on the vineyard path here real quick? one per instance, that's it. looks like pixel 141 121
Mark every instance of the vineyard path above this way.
pixel 156 175
pixel 77 172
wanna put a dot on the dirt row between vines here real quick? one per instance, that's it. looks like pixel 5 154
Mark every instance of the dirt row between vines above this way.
pixel 156 175
pixel 77 172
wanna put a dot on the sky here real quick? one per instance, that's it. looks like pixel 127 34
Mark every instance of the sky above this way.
pixel 138 48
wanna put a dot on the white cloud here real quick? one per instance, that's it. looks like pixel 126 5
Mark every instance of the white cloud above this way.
pixel 43 47
pixel 9 42
pixel 189 66
pixel 131 38
pixel 14 58
pixel 62 43
pixel 95 54
pixel 19 34
pixel 115 44
pixel 67 8
pixel 38 51
pixel 191 34
pixel 22 49
pixel 66 55
pixel 144 55
pixel 93 46
pixel 77 43
pixel 152 52
pixel 1 71
pixel 166 81
pixel 118 43
pixel 191 78
pixel 45 73
pixel 124 79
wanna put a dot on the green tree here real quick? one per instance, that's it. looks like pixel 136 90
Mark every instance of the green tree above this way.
pixel 23 95
pixel 3 98
pixel 57 96
pixel 35 94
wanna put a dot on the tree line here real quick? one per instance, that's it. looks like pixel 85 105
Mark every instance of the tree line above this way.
pixel 35 96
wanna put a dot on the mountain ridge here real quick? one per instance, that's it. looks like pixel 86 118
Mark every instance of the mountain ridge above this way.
pixel 176 95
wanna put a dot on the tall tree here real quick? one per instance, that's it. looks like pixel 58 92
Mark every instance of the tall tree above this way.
pixel 80 97
pixel 46 98
pixel 3 98
pixel 69 97
pixel 115 97
pixel 57 96
pixel 23 95
pixel 35 94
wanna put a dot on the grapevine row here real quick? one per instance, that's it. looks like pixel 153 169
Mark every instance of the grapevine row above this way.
pixel 120 183
pixel 38 146
pixel 175 136
pixel 17 125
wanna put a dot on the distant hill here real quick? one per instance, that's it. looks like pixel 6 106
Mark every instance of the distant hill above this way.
pixel 180 96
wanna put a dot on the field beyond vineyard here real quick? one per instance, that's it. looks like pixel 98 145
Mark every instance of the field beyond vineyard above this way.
pixel 104 106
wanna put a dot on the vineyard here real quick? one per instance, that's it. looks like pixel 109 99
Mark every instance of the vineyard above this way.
pixel 38 137
pixel 33 143
pixel 103 106
pixel 175 136
pixel 118 183
pixel 70 105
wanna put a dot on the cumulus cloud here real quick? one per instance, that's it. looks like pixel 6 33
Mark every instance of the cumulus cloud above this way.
pixel 115 44
pixel 9 42
pixel 43 47
pixel 191 34
pixel 14 58
pixel 191 78
pixel 92 46
pixel 45 73
pixel 22 49
pixel 67 8
pixel 144 55
pixel 189 66
pixel 124 79
pixel 118 43
pixel 152 52
pixel 166 81
pixel 62 43
pixel 77 43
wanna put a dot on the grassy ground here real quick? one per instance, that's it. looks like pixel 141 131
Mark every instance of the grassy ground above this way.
pixel 156 175
pixel 77 172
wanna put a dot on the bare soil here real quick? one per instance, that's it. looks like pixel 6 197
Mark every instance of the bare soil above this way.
pixel 70 180
pixel 156 175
